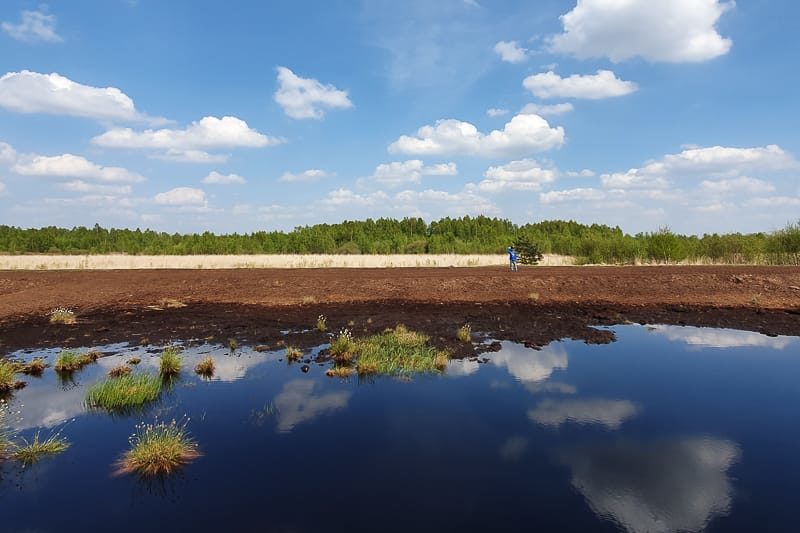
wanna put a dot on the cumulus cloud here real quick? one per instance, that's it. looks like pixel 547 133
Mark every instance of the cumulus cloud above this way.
pixel 720 338
pixel 297 403
pixel 182 196
pixel 722 162
pixel 775 201
pixel 603 84
pixel 215 178
pixel 303 98
pixel 86 187
pixel 32 92
pixel 191 156
pixel 676 31
pixel 511 51
pixel 608 413
pixel 496 112
pixel 522 175
pixel 521 135
pixel 411 171
pixel 312 174
pixel 72 166
pixel 346 197
pixel 7 154
pixel 661 486
pixel 429 203
pixel 569 195
pixel 528 365
pixel 585 173
pixel 207 133
pixel 546 110
pixel 35 26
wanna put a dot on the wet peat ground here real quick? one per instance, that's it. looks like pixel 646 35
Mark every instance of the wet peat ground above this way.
pixel 534 306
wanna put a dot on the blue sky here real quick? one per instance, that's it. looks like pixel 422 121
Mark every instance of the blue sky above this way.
pixel 240 116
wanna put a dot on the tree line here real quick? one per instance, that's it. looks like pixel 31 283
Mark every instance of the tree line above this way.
pixel 595 243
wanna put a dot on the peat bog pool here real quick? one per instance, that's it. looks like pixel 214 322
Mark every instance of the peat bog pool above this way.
pixel 667 429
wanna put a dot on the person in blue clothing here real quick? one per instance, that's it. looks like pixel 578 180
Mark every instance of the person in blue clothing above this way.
pixel 512 258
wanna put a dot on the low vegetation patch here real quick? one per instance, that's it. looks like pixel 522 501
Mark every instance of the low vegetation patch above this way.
pixel 170 361
pixel 293 354
pixel 233 344
pixel 397 351
pixel 7 380
pixel 62 315
pixel 170 303
pixel 158 449
pixel 124 392
pixel 119 371
pixel 6 444
pixel 322 323
pixel 308 300
pixel 339 372
pixel 34 368
pixel 134 361
pixel 464 333
pixel 343 347
pixel 69 360
pixel 32 451
pixel 205 367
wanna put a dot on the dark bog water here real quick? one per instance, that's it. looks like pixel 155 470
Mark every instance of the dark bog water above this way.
pixel 667 429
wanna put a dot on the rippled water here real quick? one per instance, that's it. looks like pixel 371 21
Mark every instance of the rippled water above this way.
pixel 667 429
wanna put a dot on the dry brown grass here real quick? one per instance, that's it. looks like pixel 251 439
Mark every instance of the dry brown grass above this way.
pixel 134 360
pixel 339 372
pixel 119 371
pixel 34 368
pixel 170 303
pixel 62 315
pixel 205 367
pixel 293 354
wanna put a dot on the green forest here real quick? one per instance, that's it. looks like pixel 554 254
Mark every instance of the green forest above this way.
pixel 593 243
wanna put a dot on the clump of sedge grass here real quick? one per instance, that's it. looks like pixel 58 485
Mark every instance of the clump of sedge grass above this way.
pixel 343 347
pixel 124 392
pixel 158 449
pixel 91 356
pixel 34 368
pixel 170 361
pixel 6 444
pixel 134 361
pixel 339 372
pixel 7 379
pixel 322 323
pixel 62 315
pixel 308 300
pixel 69 361
pixel 119 371
pixel 293 354
pixel 398 351
pixel 233 344
pixel 31 452
pixel 464 333
pixel 205 367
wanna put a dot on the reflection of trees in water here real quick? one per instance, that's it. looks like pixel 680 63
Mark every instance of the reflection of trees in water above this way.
pixel 661 486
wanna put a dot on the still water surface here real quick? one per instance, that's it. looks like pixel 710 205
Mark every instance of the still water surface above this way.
pixel 667 429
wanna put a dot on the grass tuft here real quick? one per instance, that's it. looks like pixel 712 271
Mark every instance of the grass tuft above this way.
pixel 339 372
pixel 69 361
pixel 34 368
pixel 170 361
pixel 62 315
pixel 308 300
pixel 205 367
pixel 124 392
pixel 158 449
pixel 464 333
pixel 322 323
pixel 293 354
pixel 170 303
pixel 398 351
pixel 7 379
pixel 134 360
pixel 119 371
pixel 31 452
pixel 233 344
pixel 343 347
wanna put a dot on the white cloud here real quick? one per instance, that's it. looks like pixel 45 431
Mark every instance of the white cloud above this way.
pixel 585 173
pixel 182 144
pixel 7 154
pixel 31 92
pixel 632 179
pixel 73 166
pixel 580 194
pixel 720 338
pixel 96 188
pixel 182 196
pixel 775 201
pixel 529 365
pixel 511 51
pixel 312 174
pixel 546 110
pixel 411 171
pixel 520 136
pixel 496 112
pixel 609 413
pixel 523 175
pixel 346 197
pixel 191 156
pixel 741 184
pixel 675 31
pixel 656 487
pixel 306 97
pixel 297 403
pixel 35 26
pixel 428 203
pixel 603 84
pixel 215 178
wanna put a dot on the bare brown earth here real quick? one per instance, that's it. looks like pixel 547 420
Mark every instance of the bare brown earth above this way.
pixel 535 305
